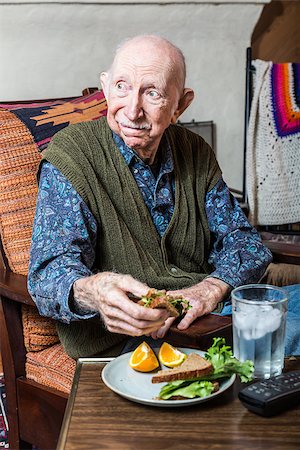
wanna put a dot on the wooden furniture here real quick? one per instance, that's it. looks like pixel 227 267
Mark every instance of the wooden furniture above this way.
pixel 284 253
pixel 35 411
pixel 277 33
pixel 220 423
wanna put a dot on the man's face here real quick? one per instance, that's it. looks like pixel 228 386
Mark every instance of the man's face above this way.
pixel 142 93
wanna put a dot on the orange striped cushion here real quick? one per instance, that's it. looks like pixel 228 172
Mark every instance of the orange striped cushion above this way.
pixel 18 189
pixel 39 332
pixel 51 367
pixel 26 129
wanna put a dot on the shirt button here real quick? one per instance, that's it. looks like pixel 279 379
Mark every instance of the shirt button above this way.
pixel 135 171
pixel 173 270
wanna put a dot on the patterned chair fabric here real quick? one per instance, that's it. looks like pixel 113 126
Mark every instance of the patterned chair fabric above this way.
pixel 26 130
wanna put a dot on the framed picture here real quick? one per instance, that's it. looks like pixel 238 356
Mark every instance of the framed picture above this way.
pixel 205 129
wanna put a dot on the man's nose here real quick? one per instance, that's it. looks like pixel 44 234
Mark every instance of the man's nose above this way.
pixel 135 106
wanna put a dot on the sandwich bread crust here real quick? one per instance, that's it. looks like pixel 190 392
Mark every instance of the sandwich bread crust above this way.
pixel 194 366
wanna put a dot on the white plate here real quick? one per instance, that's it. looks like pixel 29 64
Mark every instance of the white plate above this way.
pixel 137 386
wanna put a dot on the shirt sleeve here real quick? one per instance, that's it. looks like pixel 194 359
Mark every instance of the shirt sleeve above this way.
pixel 238 254
pixel 62 246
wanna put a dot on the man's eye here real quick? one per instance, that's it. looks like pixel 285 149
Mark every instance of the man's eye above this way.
pixel 121 86
pixel 153 94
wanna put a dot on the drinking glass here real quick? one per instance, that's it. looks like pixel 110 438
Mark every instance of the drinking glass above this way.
pixel 259 319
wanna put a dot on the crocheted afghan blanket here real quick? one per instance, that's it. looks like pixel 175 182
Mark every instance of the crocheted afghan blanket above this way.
pixel 273 145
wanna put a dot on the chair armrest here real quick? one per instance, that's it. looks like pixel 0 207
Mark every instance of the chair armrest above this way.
pixel 199 335
pixel 201 332
pixel 284 252
pixel 14 287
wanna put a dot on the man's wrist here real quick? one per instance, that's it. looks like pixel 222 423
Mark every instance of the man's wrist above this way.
pixel 77 301
pixel 223 287
pixel 77 307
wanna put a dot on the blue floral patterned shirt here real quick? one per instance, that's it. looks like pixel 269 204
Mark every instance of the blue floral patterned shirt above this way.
pixel 65 232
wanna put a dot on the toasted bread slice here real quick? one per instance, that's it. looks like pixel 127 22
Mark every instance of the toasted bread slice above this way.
pixel 194 366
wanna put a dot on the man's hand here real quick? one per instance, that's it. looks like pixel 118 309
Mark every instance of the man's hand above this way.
pixel 203 298
pixel 106 292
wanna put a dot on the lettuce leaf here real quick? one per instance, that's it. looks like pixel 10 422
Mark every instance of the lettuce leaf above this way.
pixel 186 389
pixel 225 364
pixel 180 304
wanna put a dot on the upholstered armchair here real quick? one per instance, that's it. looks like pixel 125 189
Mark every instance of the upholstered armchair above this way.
pixel 38 373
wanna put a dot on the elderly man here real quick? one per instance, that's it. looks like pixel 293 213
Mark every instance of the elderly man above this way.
pixel 133 201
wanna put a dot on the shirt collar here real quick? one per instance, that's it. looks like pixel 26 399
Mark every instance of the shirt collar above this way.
pixel 126 151
pixel 130 156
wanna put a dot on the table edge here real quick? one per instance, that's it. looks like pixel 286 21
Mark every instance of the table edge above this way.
pixel 71 400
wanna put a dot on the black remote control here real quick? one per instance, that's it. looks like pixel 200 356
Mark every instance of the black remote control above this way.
pixel 272 396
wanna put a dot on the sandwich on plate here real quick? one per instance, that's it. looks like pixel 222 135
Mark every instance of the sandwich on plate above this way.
pixel 198 376
pixel 194 366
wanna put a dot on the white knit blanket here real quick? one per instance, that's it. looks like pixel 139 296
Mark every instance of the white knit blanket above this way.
pixel 272 158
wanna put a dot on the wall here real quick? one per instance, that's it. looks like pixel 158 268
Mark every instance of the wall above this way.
pixel 52 49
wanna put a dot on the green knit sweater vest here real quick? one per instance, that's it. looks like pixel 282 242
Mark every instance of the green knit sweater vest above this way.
pixel 127 241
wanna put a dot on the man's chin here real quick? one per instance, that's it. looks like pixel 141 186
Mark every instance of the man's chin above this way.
pixel 138 141
pixel 133 142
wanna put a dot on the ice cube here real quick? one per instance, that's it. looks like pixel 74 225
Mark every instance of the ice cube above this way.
pixel 240 320
pixel 246 308
pixel 273 320
pixel 267 322
pixel 265 308
pixel 248 334
pixel 260 329
pixel 257 321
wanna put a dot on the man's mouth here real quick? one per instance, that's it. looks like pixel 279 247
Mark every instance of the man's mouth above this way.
pixel 132 127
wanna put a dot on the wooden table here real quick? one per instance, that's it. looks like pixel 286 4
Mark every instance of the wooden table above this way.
pixel 97 418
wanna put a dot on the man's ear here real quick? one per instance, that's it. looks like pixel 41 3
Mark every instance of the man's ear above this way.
pixel 104 82
pixel 184 102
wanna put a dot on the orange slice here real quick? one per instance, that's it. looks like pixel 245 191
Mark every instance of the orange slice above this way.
pixel 170 356
pixel 143 359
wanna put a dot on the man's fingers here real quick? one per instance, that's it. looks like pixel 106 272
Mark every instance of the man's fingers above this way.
pixel 189 318
pixel 109 292
pixel 129 284
pixel 161 332
pixel 112 314
pixel 119 326
pixel 118 299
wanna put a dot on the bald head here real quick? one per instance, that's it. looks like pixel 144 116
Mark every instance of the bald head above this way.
pixel 152 44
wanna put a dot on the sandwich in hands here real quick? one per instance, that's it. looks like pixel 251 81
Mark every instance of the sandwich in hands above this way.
pixel 176 306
